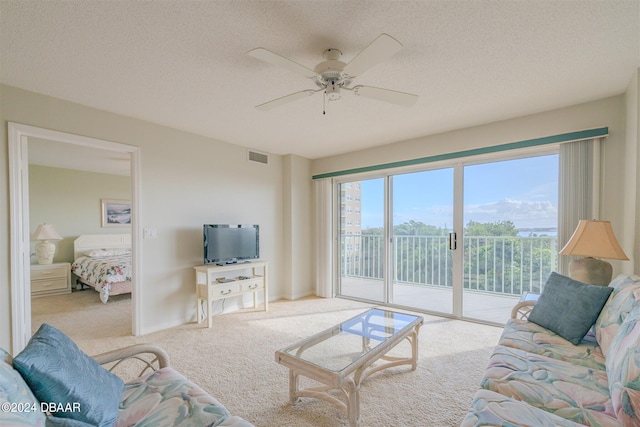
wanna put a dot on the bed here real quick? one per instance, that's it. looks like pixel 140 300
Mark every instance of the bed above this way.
pixel 103 262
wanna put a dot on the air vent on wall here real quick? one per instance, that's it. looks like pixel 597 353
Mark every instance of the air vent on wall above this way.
pixel 254 156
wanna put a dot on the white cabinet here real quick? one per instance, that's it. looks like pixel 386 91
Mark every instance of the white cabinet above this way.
pixel 216 282
pixel 50 279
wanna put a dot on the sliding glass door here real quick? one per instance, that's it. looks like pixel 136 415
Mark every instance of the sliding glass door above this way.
pixel 422 260
pixel 510 233
pixel 465 239
pixel 362 243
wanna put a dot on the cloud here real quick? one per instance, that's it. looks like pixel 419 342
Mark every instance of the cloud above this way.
pixel 523 213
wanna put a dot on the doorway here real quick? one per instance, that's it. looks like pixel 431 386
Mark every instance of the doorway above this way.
pixel 19 136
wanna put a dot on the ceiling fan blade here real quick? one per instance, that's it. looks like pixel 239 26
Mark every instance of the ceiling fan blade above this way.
pixel 280 61
pixel 392 96
pixel 286 99
pixel 379 50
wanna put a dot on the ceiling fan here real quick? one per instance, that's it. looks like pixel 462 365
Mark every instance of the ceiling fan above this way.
pixel 332 75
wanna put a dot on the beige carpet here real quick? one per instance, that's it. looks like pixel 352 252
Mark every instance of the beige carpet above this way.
pixel 235 362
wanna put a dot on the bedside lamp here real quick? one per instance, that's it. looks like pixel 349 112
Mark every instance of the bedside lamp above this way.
pixel 593 239
pixel 45 249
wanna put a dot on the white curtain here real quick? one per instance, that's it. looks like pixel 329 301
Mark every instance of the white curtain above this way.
pixel 324 233
pixel 579 190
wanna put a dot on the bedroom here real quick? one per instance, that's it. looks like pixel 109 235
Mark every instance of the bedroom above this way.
pixel 67 184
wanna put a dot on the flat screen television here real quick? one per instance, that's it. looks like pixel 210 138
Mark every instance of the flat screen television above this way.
pixel 230 243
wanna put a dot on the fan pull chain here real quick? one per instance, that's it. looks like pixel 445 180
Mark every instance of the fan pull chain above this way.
pixel 324 103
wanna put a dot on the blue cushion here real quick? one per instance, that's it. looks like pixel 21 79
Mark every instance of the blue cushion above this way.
pixel 569 307
pixel 57 371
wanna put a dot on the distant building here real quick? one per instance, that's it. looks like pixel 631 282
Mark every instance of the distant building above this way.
pixel 351 208
pixel 351 223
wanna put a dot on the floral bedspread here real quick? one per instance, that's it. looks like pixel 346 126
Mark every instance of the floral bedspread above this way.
pixel 103 271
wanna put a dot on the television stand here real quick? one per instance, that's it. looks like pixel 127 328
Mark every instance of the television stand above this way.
pixel 210 289
pixel 222 264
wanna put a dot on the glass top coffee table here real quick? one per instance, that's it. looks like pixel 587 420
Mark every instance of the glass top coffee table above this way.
pixel 342 356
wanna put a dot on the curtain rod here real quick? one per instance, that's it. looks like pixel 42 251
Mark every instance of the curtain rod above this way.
pixel 554 139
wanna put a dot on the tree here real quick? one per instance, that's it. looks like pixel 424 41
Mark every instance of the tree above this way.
pixel 496 258
pixel 493 248
pixel 417 228
pixel 373 231
pixel 498 228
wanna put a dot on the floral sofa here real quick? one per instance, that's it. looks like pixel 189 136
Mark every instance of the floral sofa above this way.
pixel 535 377
pixel 52 383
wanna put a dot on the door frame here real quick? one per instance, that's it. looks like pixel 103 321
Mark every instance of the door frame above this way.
pixel 20 249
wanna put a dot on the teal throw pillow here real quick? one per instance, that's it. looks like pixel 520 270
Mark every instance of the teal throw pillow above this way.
pixel 59 373
pixel 569 307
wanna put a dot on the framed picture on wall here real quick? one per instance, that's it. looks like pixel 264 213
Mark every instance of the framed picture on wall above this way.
pixel 116 213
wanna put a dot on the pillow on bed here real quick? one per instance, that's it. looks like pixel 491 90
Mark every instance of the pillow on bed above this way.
pixel 99 253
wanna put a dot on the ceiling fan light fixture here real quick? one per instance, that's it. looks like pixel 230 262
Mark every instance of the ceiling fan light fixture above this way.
pixel 332 54
pixel 333 91
pixel 331 75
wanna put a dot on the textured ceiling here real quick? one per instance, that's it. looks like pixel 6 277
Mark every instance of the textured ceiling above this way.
pixel 183 64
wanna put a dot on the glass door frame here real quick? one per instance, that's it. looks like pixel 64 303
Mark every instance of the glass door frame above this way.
pixel 388 252
pixel 337 250
pixel 458 166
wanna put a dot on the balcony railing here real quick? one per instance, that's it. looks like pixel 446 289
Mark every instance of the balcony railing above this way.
pixel 503 265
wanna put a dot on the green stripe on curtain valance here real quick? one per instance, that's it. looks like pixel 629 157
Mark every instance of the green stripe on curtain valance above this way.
pixel 555 139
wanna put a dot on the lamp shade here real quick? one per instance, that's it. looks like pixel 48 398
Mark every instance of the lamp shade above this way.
pixel 594 239
pixel 46 232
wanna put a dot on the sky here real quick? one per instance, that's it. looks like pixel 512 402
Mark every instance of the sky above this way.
pixel 524 191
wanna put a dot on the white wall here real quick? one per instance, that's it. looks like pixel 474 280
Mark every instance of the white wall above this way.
pixel 70 200
pixel 632 201
pixel 298 262
pixel 186 180
pixel 5 286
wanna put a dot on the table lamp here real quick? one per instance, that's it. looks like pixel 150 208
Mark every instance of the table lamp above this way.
pixel 45 249
pixel 593 239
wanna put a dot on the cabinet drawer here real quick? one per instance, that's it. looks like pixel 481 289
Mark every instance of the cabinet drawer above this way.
pixel 225 289
pixel 52 284
pixel 251 285
pixel 49 273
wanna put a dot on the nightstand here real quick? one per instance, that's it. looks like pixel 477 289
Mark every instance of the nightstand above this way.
pixel 50 279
